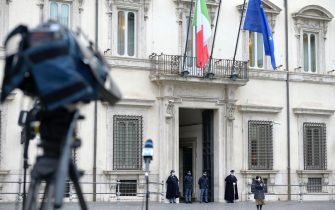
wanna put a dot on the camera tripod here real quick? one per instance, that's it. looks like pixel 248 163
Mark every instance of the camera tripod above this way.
pixel 55 165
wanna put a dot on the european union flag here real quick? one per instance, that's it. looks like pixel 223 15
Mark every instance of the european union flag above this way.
pixel 256 21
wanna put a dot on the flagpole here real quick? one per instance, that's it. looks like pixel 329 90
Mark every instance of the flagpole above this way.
pixel 213 43
pixel 188 31
pixel 238 37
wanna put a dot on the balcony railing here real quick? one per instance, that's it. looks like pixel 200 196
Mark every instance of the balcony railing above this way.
pixel 186 66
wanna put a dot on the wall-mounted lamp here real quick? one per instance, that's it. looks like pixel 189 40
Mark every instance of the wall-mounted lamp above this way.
pixel 297 69
pixel 279 67
pixel 106 50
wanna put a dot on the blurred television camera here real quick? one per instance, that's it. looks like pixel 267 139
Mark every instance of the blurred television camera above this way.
pixel 59 69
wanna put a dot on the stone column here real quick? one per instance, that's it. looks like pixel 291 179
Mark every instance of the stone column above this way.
pixel 219 152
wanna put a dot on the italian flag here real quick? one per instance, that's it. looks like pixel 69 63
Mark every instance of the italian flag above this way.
pixel 202 23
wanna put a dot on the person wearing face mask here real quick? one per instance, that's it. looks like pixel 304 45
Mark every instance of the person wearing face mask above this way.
pixel 259 192
pixel 231 192
pixel 188 183
pixel 203 185
pixel 172 187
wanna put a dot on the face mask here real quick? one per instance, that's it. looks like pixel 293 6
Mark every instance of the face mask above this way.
pixel 172 174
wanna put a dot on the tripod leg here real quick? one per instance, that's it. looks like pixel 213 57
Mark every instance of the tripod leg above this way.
pixel 74 176
pixel 47 203
pixel 31 198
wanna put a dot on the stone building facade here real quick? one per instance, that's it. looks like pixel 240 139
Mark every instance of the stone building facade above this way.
pixel 198 119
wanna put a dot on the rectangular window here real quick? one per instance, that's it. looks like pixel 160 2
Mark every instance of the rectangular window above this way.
pixel 310 52
pixel 260 145
pixel 314 185
pixel 127 187
pixel 60 12
pixel 126 33
pixel 315 146
pixel 127 142
pixel 256 50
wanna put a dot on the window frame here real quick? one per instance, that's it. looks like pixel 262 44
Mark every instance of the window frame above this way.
pixel 322 165
pixel 268 156
pixel 312 19
pixel 255 51
pixel 117 119
pixel 126 34
pixel 59 4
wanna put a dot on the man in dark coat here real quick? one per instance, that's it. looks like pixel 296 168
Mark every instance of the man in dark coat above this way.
pixel 172 187
pixel 231 192
pixel 188 184
pixel 203 185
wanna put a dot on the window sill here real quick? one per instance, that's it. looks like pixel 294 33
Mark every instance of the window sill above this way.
pixel 123 172
pixel 4 172
pixel 259 171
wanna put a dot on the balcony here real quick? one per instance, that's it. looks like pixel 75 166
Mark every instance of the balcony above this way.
pixel 177 67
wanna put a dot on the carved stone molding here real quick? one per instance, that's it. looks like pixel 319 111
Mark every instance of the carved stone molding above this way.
pixel 313 111
pixel 312 17
pixel 183 9
pixel 231 111
pixel 170 109
pixel 147 103
pixel 259 108
pixel 129 3
pixel 40 3
pixel 81 2
pixel 270 9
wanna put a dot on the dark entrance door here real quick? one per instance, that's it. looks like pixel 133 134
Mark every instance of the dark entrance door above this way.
pixel 208 152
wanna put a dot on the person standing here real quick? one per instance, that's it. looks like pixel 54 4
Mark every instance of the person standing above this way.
pixel 231 192
pixel 203 185
pixel 188 183
pixel 259 192
pixel 172 187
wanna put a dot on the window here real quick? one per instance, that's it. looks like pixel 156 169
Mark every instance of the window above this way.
pixel 314 185
pixel 310 52
pixel 127 187
pixel 315 146
pixel 256 50
pixel 127 142
pixel 260 145
pixel 126 33
pixel 311 26
pixel 60 12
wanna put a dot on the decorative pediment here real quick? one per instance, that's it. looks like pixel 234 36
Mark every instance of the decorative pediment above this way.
pixel 250 108
pixel 313 111
pixel 183 7
pixel 313 12
pixel 268 6
pixel 130 4
pixel 270 9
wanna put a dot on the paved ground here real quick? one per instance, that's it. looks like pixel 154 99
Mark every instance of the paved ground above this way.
pixel 194 206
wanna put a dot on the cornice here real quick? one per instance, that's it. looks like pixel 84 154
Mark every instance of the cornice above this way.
pixel 313 111
pixel 147 103
pixel 268 6
pixel 314 171
pixel 324 14
pixel 259 108
pixel 259 171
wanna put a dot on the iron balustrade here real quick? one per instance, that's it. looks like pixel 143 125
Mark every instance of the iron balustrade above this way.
pixel 114 191
pixel 186 66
